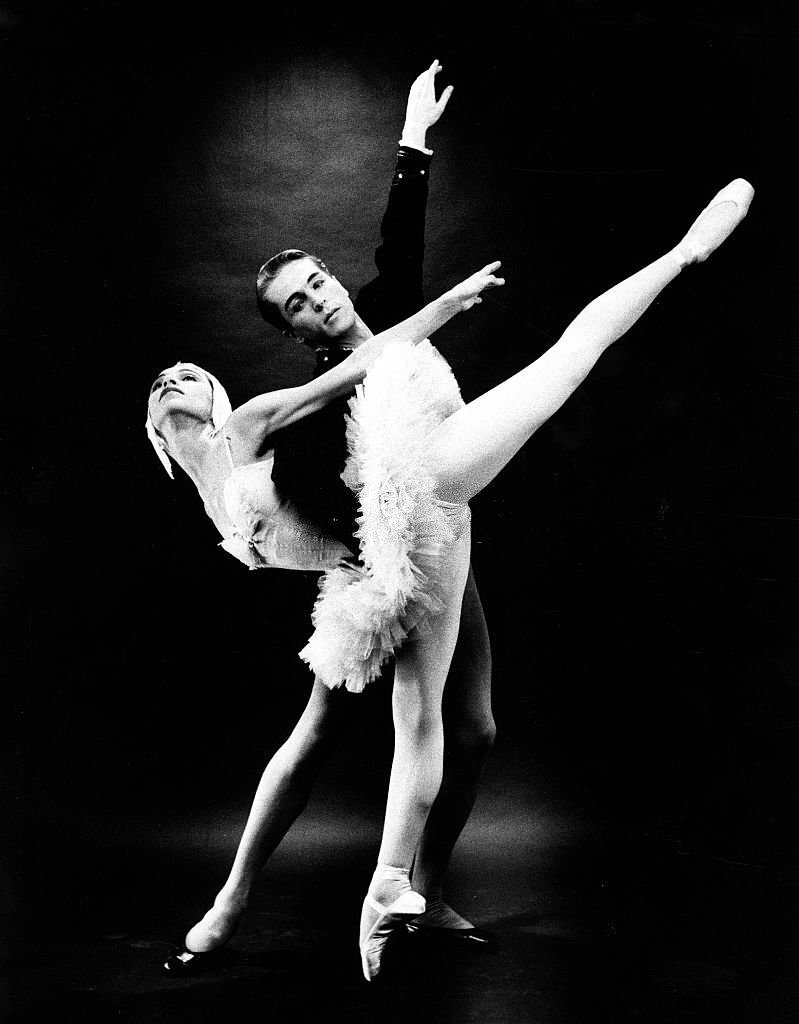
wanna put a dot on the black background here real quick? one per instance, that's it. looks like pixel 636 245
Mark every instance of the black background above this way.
pixel 637 561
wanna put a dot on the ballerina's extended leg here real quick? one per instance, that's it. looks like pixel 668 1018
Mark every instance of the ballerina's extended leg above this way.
pixel 476 442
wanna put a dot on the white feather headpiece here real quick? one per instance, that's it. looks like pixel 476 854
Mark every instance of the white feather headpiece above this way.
pixel 220 411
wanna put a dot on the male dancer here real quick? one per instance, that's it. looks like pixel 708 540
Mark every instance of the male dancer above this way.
pixel 297 294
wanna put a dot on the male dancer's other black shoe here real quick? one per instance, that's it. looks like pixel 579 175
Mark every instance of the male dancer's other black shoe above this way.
pixel 183 962
pixel 453 938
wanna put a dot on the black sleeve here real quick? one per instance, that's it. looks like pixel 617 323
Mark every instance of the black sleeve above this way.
pixel 396 292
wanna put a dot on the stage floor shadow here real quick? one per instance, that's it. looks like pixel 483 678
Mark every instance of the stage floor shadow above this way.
pixel 589 927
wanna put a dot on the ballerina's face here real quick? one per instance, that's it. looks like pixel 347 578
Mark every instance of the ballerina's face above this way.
pixel 180 389
pixel 316 305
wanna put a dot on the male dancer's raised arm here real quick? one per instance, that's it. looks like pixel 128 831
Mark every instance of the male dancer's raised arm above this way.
pixel 310 456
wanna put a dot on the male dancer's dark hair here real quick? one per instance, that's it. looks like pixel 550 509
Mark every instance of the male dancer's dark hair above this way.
pixel 268 272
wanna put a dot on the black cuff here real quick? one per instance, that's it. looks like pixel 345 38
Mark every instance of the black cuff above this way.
pixel 411 164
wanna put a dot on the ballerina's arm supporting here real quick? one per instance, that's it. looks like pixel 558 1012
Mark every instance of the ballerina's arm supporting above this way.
pixel 265 414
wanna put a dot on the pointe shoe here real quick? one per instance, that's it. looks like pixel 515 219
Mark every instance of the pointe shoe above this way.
pixel 716 222
pixel 387 921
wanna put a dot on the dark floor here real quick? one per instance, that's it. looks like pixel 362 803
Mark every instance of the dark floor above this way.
pixel 593 924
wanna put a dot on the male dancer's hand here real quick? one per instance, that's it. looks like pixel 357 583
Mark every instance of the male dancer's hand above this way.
pixel 423 108
pixel 467 293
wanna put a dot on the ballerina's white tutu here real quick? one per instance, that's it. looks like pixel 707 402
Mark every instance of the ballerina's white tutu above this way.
pixel 364 613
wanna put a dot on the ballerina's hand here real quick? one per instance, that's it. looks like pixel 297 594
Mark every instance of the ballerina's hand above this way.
pixel 467 293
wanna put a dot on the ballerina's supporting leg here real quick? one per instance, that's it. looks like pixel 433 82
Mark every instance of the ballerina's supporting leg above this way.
pixel 282 794
pixel 419 677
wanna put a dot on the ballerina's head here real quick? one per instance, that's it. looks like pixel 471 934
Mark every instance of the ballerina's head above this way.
pixel 183 393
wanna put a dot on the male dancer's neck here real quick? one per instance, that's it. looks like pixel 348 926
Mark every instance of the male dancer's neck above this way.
pixel 356 335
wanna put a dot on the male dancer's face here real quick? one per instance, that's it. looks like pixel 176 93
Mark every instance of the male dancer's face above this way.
pixel 314 304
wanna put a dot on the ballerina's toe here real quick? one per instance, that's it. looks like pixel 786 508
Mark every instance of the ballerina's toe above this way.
pixel 379 923
pixel 716 222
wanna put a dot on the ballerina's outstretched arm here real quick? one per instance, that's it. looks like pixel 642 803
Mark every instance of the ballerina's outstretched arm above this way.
pixel 267 413
pixel 476 442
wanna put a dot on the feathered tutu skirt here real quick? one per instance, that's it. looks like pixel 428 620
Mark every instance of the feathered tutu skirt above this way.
pixel 365 612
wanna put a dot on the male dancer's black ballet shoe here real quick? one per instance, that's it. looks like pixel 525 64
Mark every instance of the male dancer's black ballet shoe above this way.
pixel 185 962
pixel 454 938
